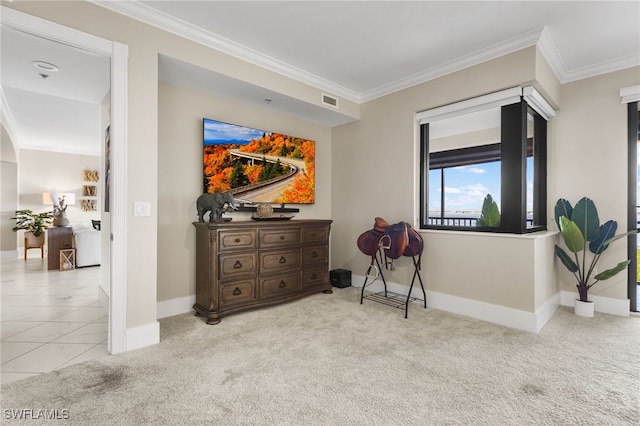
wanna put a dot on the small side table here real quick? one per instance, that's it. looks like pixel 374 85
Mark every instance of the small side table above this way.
pixel 58 238
pixel 67 259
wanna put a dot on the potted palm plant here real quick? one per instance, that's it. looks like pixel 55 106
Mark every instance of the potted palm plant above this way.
pixel 34 224
pixel 581 231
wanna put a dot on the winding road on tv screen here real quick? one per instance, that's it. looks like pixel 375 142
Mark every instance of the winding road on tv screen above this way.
pixel 271 191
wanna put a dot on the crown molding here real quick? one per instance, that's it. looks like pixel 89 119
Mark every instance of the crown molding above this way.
pixel 163 21
pixel 550 51
pixel 539 37
pixel 618 64
pixel 497 50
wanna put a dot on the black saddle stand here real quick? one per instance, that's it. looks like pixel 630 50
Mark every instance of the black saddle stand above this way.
pixel 387 297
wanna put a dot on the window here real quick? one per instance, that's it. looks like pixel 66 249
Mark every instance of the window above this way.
pixel 487 149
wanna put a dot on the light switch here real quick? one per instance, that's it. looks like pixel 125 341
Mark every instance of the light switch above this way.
pixel 141 208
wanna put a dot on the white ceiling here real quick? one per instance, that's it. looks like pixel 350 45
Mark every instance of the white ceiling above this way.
pixel 357 50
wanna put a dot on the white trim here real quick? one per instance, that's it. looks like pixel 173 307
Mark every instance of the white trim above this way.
pixel 119 74
pixel 165 22
pixel 630 94
pixel 55 32
pixel 118 197
pixel 496 314
pixel 605 305
pixel 143 336
pixel 546 311
pixel 514 44
pixel 177 306
pixel 535 100
pixel 480 103
pixel 538 36
pixel 618 64
pixel 550 51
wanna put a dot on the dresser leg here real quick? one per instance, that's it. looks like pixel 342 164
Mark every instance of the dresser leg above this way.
pixel 328 291
pixel 198 314
pixel 213 321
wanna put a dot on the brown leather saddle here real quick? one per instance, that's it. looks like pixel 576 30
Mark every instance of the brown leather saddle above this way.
pixel 390 241
pixel 395 240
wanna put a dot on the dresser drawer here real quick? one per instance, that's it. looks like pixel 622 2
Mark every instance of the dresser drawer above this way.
pixel 278 237
pixel 314 277
pixel 234 265
pixel 316 255
pixel 232 240
pixel 315 235
pixel 237 292
pixel 281 260
pixel 279 285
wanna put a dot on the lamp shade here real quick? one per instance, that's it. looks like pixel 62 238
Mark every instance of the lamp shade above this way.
pixel 69 198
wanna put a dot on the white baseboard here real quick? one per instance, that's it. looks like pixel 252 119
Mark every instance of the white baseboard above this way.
pixel 546 311
pixel 177 306
pixel 605 305
pixel 522 320
pixel 142 336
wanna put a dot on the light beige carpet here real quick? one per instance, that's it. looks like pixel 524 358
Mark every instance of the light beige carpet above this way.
pixel 327 360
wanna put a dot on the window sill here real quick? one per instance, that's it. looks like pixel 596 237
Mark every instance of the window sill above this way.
pixel 529 235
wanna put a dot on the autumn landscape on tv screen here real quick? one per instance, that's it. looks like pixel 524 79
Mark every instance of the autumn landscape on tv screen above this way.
pixel 258 166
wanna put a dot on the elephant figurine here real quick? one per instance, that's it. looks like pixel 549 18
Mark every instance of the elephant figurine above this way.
pixel 215 204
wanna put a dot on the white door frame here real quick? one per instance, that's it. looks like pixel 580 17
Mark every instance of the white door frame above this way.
pixel 118 53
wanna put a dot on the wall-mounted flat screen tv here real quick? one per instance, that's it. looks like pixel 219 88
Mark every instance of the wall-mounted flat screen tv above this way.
pixel 258 166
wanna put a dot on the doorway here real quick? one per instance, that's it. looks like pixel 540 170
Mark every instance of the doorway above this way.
pixel 118 55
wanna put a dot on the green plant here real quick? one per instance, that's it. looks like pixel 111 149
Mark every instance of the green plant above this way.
pixel 580 227
pixel 32 222
pixel 490 215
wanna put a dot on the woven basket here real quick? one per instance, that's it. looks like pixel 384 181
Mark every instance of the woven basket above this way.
pixel 264 210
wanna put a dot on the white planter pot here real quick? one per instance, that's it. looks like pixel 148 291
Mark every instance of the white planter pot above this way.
pixel 584 309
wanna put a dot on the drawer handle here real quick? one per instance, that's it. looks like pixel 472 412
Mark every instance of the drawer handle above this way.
pixel 282 260
pixel 282 237
pixel 282 284
pixel 237 240
pixel 314 276
pixel 237 265
pixel 314 255
pixel 237 292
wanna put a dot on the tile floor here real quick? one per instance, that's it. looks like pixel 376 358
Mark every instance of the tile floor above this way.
pixel 50 319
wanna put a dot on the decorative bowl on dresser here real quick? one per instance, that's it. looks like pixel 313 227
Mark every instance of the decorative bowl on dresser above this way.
pixel 246 265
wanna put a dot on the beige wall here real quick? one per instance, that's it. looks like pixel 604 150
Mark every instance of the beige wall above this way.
pixel 374 161
pixel 588 157
pixel 42 171
pixel 373 175
pixel 180 114
pixel 145 43
pixel 9 195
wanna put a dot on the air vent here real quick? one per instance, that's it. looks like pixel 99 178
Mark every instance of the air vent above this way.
pixel 329 100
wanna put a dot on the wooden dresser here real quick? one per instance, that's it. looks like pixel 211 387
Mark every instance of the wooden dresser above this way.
pixel 245 265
